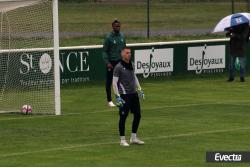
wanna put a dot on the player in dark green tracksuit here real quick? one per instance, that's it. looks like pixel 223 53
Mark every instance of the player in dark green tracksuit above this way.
pixel 113 44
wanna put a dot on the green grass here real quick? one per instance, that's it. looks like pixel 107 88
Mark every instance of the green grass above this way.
pixel 90 17
pixel 182 118
pixel 94 19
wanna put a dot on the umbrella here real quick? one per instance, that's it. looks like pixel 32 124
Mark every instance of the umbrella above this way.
pixel 231 21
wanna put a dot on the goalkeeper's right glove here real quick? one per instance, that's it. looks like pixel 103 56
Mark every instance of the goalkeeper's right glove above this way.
pixel 119 101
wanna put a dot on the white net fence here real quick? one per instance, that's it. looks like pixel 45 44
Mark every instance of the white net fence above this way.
pixel 26 75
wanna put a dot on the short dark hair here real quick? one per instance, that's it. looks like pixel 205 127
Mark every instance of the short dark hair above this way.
pixel 115 21
pixel 126 48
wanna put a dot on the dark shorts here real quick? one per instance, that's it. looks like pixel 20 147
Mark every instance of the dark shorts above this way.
pixel 132 104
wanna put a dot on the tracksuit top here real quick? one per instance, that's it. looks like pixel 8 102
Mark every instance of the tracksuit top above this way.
pixel 113 44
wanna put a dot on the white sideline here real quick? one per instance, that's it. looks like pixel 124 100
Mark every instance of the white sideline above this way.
pixel 129 45
pixel 181 105
pixel 116 142
pixel 229 102
pixel 39 116
pixel 198 104
pixel 149 44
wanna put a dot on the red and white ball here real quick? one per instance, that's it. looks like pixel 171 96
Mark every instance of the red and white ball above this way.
pixel 26 109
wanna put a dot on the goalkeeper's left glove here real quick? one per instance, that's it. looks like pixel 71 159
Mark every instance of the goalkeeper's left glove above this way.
pixel 119 101
pixel 141 94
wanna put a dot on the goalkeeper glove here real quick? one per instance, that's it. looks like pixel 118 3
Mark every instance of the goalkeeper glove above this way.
pixel 141 94
pixel 119 101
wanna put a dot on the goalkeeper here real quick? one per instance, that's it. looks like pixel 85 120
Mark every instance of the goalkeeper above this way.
pixel 127 89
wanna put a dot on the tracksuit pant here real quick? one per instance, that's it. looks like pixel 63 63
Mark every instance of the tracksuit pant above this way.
pixel 132 104
pixel 109 79
pixel 242 61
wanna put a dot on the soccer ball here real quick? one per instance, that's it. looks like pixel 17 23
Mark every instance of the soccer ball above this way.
pixel 26 109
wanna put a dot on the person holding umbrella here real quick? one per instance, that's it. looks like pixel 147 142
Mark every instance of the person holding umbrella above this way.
pixel 239 37
pixel 236 27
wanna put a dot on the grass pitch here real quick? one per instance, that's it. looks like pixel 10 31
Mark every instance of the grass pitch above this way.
pixel 181 120
pixel 87 23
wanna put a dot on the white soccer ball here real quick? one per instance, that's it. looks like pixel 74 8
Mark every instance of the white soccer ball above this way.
pixel 26 109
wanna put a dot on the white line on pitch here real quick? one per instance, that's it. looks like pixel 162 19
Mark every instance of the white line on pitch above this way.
pixel 195 104
pixel 152 108
pixel 116 142
pixel 198 133
pixel 176 106
pixel 107 110
pixel 38 116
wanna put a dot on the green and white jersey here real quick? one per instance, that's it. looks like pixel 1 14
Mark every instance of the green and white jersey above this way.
pixel 113 44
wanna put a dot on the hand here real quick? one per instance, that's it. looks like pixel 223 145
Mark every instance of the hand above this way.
pixel 110 66
pixel 119 101
pixel 141 94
